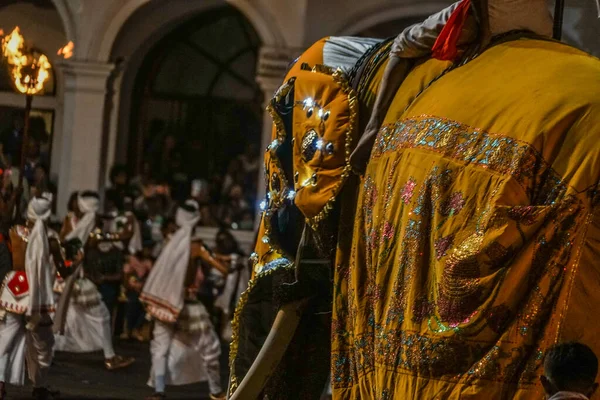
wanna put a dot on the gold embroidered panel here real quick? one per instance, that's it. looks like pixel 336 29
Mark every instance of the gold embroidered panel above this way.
pixel 446 281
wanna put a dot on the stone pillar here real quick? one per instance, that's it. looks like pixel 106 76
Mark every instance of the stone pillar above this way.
pixel 83 126
pixel 111 112
pixel 272 66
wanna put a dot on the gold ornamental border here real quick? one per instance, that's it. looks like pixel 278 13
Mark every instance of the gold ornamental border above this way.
pixel 281 134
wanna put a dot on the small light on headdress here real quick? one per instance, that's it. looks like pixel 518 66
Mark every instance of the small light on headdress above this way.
pixel 274 144
pixel 263 205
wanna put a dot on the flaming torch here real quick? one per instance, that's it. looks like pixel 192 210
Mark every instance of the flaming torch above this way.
pixel 30 70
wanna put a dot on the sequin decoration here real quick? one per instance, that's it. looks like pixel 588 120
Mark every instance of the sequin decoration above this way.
pixel 463 143
pixel 422 309
pixel 275 182
pixel 459 290
pixel 526 215
pixel 442 245
pixel 452 206
pixel 309 145
pixel 407 191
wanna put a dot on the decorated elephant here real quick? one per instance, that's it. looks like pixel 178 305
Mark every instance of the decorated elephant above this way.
pixel 430 228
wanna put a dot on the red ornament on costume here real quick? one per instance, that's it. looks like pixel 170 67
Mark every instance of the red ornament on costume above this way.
pixel 446 45
pixel 18 285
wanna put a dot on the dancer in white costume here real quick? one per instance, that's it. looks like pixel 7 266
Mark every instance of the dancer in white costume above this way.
pixel 185 347
pixel 83 322
pixel 26 299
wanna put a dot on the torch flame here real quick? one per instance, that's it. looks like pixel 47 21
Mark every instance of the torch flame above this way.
pixel 30 70
pixel 67 51
pixel 12 45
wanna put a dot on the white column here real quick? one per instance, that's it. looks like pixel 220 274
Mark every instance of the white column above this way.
pixel 83 126
pixel 114 101
pixel 272 65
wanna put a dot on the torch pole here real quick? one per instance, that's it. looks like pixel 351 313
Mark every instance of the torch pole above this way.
pixel 25 140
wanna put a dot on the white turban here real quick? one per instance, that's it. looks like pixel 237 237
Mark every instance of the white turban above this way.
pixel 40 208
pixel 89 206
pixel 37 259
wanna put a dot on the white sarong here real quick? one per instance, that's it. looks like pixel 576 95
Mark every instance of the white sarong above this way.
pixel 21 348
pixel 187 352
pixel 88 323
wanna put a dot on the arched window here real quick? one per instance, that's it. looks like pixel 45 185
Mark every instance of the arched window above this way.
pixel 197 89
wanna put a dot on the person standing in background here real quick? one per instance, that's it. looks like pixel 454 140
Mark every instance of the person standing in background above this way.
pixel 82 322
pixel 228 252
pixel 135 272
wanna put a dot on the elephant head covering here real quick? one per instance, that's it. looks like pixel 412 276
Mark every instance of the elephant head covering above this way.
pixel 37 258
pixel 164 290
pixel 88 203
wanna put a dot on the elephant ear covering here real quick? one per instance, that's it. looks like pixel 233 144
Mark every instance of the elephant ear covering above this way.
pixel 324 130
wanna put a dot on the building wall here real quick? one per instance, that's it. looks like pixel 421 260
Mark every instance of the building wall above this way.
pixel 44 28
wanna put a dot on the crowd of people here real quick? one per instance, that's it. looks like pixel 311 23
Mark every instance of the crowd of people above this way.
pixel 227 198
pixel 106 273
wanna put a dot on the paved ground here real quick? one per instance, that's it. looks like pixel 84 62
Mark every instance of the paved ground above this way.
pixel 83 377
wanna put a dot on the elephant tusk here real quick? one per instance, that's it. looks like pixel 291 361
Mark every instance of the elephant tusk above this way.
pixel 272 351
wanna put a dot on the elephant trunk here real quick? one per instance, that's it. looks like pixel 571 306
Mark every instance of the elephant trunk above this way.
pixel 272 351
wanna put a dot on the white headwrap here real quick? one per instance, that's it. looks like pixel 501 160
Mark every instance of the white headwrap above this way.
pixel 164 291
pixel 88 205
pixel 37 259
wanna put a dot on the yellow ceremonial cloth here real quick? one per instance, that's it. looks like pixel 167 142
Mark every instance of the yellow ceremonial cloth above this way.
pixel 477 230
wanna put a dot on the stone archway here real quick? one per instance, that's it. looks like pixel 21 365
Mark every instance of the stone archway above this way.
pixel 363 21
pixel 140 28
pixel 259 18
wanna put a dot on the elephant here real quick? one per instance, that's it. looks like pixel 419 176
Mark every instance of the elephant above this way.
pixel 441 253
